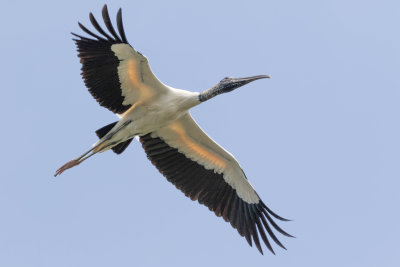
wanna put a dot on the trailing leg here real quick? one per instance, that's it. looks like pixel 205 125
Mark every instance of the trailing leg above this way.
pixel 101 145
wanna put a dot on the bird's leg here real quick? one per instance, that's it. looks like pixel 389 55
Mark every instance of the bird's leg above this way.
pixel 92 151
pixel 76 161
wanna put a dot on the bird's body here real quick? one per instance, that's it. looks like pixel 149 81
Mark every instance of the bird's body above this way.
pixel 153 114
pixel 120 79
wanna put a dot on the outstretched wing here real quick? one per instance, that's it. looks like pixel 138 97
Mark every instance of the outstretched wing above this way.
pixel 116 75
pixel 204 171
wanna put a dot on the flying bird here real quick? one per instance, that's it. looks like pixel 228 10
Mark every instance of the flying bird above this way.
pixel 120 79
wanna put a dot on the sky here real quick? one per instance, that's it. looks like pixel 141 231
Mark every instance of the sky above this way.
pixel 319 141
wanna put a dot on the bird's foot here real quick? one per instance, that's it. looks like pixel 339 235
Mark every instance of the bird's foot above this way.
pixel 66 166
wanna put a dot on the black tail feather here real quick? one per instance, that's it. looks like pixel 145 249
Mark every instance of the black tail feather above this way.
pixel 103 131
pixel 118 149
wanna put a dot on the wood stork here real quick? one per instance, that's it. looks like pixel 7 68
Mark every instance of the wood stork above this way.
pixel 120 79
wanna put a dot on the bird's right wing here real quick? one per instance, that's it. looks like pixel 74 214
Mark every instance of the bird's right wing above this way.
pixel 115 73
pixel 206 172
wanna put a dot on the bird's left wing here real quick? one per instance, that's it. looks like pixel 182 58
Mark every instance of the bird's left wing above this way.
pixel 115 73
pixel 206 172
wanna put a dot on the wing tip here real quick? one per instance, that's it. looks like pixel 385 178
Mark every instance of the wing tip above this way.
pixel 120 26
pixel 107 22
pixel 273 213
pixel 104 36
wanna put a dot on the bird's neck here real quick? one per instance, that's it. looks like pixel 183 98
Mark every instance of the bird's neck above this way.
pixel 182 99
pixel 209 93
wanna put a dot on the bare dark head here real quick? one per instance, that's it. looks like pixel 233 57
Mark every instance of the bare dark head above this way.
pixel 228 84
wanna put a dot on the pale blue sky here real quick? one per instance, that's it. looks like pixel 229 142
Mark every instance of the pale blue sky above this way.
pixel 319 141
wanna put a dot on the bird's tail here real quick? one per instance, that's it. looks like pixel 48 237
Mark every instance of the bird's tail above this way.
pixel 118 149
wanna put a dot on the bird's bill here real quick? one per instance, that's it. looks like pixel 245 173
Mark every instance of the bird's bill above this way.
pixel 250 79
pixel 253 78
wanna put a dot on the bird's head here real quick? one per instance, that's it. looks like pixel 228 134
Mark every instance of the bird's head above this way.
pixel 228 84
